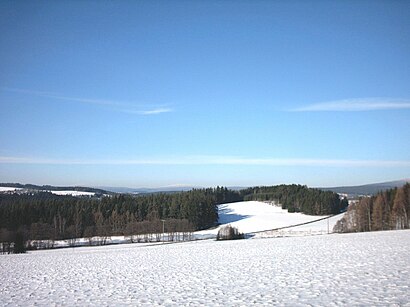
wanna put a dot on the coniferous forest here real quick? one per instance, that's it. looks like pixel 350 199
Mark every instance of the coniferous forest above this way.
pixel 45 216
pixel 298 198
pixel 387 210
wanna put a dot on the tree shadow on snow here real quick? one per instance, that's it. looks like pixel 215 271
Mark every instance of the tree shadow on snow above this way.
pixel 227 216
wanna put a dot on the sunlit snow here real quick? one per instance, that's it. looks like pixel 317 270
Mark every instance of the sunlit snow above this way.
pixel 65 192
pixel 8 189
pixel 255 216
pixel 72 193
pixel 358 269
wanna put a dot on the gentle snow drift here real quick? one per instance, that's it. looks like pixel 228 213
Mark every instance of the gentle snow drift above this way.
pixel 350 270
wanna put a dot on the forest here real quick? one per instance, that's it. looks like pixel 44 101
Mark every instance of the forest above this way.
pixel 298 198
pixel 45 216
pixel 388 210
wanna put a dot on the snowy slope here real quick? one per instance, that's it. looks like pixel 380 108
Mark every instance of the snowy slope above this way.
pixel 8 189
pixel 72 193
pixel 361 269
pixel 64 192
pixel 255 216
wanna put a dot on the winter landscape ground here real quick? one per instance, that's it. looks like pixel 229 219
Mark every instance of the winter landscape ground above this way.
pixel 257 218
pixel 254 218
pixel 328 270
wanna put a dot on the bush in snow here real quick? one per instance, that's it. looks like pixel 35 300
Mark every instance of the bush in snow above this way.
pixel 229 233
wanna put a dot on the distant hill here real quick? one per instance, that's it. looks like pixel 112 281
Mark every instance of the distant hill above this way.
pixel 54 188
pixel 125 190
pixel 106 189
pixel 168 189
pixel 352 191
pixel 367 189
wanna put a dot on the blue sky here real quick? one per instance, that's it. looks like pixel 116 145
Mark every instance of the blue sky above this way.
pixel 204 93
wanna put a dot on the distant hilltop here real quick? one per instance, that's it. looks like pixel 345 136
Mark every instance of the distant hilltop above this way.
pixel 64 190
pixel 367 189
pixel 350 191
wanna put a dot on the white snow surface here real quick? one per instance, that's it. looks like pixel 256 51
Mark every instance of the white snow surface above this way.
pixel 248 217
pixel 255 216
pixel 8 189
pixel 361 269
pixel 73 193
pixel 66 192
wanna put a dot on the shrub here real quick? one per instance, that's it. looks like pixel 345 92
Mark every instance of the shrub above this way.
pixel 229 233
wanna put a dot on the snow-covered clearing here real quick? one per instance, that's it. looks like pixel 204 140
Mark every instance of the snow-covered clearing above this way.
pixel 255 216
pixel 337 269
pixel 320 227
pixel 8 189
pixel 73 193
pixel 248 217
pixel 65 192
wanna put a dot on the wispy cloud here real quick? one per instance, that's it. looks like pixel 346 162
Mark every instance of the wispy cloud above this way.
pixel 67 98
pixel 356 105
pixel 121 106
pixel 211 160
pixel 154 111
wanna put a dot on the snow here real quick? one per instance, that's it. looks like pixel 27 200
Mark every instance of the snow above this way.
pixel 97 240
pixel 358 269
pixel 321 227
pixel 8 189
pixel 255 216
pixel 73 193
pixel 248 217
pixel 66 192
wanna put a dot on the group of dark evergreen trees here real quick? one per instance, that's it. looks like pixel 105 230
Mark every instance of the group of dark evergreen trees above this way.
pixel 298 198
pixel 388 210
pixel 49 217
pixel 45 216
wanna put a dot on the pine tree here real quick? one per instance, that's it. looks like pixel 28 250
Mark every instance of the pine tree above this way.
pixel 377 214
pixel 19 244
pixel 399 210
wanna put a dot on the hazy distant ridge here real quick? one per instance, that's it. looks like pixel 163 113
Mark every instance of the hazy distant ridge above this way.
pixel 368 189
pixel 54 188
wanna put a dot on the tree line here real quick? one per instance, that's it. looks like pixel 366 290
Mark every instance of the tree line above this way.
pixel 388 210
pixel 45 216
pixel 33 187
pixel 298 198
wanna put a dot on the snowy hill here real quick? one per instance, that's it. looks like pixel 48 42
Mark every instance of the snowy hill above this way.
pixel 367 189
pixel 72 193
pixel 8 189
pixel 255 216
pixel 359 269
pixel 58 190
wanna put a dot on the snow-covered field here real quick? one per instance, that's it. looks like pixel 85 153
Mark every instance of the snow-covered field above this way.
pixel 255 216
pixel 321 227
pixel 73 193
pixel 338 269
pixel 66 192
pixel 8 189
pixel 248 217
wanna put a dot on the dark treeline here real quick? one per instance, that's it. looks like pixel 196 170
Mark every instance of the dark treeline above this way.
pixel 298 198
pixel 33 187
pixel 45 216
pixel 388 210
